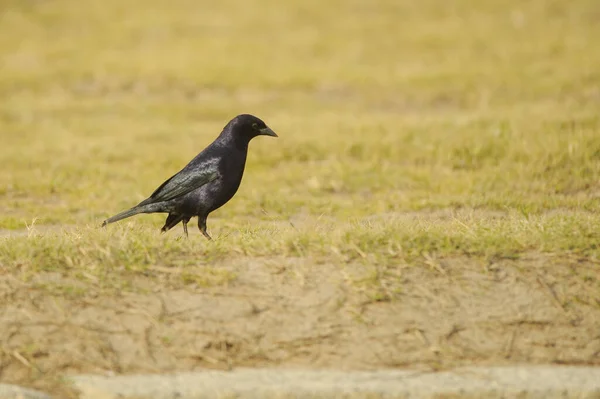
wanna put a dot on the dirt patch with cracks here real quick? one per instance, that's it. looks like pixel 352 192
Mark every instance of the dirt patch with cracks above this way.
pixel 295 312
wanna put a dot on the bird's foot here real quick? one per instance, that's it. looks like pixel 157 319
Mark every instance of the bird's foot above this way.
pixel 205 234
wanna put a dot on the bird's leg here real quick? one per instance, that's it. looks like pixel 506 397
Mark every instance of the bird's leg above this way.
pixel 185 222
pixel 202 226
pixel 171 222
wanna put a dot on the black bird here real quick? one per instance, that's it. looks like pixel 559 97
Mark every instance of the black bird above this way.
pixel 207 182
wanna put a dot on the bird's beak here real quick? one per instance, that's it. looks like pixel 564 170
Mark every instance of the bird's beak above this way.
pixel 268 132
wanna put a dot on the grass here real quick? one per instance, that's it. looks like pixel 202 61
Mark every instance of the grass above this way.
pixel 109 260
pixel 407 130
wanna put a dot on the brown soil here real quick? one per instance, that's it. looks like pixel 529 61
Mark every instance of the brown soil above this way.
pixel 292 312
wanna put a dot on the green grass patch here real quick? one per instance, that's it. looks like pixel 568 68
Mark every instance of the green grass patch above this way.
pixel 110 258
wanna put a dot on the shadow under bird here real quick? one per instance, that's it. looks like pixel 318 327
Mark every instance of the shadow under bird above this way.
pixel 207 182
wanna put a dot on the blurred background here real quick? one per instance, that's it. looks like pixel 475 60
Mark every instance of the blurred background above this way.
pixel 404 104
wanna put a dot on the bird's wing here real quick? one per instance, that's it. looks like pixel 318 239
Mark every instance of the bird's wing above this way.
pixel 185 181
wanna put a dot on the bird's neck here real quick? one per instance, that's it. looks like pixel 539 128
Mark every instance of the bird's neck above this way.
pixel 227 139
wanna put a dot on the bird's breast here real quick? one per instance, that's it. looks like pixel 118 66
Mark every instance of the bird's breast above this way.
pixel 219 191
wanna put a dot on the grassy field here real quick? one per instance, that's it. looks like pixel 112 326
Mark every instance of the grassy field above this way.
pixel 412 136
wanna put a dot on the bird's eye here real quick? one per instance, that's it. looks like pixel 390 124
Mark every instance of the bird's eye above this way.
pixel 255 126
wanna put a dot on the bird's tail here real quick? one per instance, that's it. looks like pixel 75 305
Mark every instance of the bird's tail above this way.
pixel 139 208
pixel 125 214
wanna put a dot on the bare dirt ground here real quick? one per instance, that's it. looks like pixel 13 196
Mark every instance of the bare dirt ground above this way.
pixel 297 313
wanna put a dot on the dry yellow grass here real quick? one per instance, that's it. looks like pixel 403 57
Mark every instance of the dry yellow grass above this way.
pixel 383 107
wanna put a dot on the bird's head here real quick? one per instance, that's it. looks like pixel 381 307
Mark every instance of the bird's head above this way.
pixel 247 127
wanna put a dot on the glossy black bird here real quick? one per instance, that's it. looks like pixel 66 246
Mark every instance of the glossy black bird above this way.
pixel 208 181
